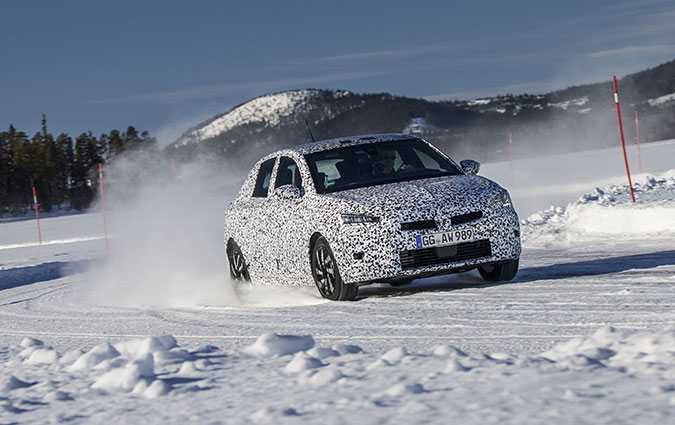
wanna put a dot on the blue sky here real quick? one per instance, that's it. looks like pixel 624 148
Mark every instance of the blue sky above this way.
pixel 166 65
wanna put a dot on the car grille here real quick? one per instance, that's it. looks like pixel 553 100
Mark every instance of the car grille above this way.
pixel 445 254
pixel 465 218
pixel 419 225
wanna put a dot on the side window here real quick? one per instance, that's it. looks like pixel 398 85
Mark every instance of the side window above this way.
pixel 288 173
pixel 428 162
pixel 262 182
pixel 327 170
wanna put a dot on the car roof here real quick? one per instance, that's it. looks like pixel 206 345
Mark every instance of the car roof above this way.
pixel 322 145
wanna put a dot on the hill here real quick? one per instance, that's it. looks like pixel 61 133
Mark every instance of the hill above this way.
pixel 576 118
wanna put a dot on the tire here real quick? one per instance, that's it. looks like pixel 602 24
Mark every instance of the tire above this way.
pixel 238 266
pixel 326 274
pixel 499 272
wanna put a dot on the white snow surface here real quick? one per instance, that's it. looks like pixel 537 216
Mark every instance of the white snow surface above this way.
pixel 610 376
pixel 585 334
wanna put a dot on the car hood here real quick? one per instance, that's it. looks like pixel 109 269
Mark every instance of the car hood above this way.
pixel 425 198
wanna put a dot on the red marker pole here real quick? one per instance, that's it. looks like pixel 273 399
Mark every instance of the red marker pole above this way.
pixel 637 139
pixel 36 207
pixel 101 186
pixel 623 140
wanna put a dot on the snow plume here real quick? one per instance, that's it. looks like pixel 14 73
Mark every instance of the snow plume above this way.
pixel 166 243
pixel 165 222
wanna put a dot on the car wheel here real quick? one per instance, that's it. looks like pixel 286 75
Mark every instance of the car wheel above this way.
pixel 238 266
pixel 326 275
pixel 499 272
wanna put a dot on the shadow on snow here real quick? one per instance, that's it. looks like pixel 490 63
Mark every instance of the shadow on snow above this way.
pixel 595 267
pixel 19 276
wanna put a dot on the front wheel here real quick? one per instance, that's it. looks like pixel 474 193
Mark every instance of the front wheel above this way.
pixel 326 275
pixel 238 266
pixel 499 272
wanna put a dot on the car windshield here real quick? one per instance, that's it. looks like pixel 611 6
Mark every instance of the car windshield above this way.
pixel 378 163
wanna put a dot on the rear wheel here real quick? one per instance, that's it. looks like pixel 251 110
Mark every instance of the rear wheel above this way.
pixel 499 272
pixel 238 266
pixel 326 275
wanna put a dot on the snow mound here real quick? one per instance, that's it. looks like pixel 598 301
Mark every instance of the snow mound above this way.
pixel 42 356
pixel 31 342
pixel 401 389
pixel 119 379
pixel 274 345
pixel 11 382
pixel 448 351
pixel 394 356
pixel 624 350
pixel 323 376
pixel 608 212
pixel 323 352
pixel 609 366
pixel 301 362
pixel 93 357
pixel 140 347
pixel 344 349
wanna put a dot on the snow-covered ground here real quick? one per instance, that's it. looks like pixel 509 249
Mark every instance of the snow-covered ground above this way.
pixel 585 334
pixel 537 183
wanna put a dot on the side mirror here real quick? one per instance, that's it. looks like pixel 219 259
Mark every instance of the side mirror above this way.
pixel 470 167
pixel 287 192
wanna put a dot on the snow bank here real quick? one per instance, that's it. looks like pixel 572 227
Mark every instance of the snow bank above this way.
pixel 606 212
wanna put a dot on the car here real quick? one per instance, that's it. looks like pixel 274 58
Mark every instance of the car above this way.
pixel 385 208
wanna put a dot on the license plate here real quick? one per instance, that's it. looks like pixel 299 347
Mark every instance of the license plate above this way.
pixel 452 237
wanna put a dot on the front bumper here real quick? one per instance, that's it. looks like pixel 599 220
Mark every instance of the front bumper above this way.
pixel 383 252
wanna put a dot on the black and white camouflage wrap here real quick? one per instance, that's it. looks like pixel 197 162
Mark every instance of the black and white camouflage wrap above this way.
pixel 275 234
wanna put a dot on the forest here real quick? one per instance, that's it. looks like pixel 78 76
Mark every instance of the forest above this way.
pixel 62 168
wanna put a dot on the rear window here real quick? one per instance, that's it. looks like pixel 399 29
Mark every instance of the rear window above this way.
pixel 262 182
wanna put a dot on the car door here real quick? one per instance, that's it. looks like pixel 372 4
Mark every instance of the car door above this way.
pixel 291 217
pixel 256 212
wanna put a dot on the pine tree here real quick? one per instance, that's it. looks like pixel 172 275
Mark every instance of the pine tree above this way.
pixel 81 192
pixel 131 138
pixel 19 173
pixel 63 160
pixel 115 143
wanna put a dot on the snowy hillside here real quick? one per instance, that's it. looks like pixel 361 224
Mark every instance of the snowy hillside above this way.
pixel 479 128
pixel 265 111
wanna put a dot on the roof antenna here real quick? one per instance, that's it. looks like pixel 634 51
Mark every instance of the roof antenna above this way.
pixel 309 130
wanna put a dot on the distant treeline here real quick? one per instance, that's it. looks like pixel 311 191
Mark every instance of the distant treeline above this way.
pixel 62 169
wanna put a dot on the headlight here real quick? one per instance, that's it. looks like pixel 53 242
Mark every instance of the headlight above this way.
pixel 504 200
pixel 359 218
